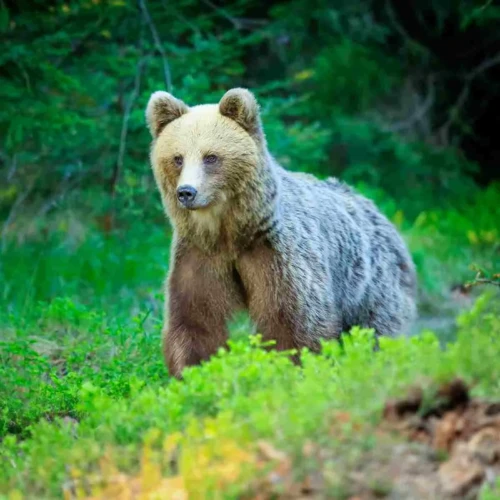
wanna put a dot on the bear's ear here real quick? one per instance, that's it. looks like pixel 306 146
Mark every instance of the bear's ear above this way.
pixel 162 109
pixel 241 106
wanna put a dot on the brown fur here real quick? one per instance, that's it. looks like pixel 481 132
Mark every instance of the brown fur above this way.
pixel 267 299
pixel 202 296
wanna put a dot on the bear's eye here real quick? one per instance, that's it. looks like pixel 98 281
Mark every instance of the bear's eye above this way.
pixel 178 160
pixel 210 159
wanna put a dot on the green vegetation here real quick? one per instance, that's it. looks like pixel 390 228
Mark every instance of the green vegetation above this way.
pixel 108 409
pixel 352 89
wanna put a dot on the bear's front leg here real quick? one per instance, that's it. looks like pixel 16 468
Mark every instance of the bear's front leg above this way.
pixel 282 302
pixel 201 298
pixel 272 303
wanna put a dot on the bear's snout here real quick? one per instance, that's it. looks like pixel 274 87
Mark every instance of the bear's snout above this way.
pixel 186 195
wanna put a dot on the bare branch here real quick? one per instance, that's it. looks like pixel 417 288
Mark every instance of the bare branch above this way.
pixel 487 64
pixel 482 278
pixel 222 12
pixel 238 22
pixel 126 117
pixel 158 44
pixel 13 212
pixel 64 187
pixel 67 183
pixel 420 112
pixel 13 168
pixel 464 94
pixel 494 280
pixel 392 16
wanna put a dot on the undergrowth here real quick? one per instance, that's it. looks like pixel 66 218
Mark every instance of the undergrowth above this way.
pixel 130 428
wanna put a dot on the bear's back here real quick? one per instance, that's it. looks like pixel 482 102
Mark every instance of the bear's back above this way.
pixel 351 248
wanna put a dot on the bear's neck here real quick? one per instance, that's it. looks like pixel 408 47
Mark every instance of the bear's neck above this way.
pixel 232 228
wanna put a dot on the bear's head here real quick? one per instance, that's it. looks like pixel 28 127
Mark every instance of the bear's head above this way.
pixel 206 155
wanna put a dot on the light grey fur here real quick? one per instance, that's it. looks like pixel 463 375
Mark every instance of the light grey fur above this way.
pixel 345 261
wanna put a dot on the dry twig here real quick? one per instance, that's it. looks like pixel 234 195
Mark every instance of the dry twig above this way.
pixel 443 130
pixel 482 278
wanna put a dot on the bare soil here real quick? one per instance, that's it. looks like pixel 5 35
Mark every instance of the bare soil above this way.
pixel 434 444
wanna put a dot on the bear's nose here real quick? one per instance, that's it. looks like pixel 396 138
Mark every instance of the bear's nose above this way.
pixel 186 195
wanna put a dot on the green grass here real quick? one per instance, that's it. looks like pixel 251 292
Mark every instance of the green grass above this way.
pixel 44 363
pixel 117 272
pixel 85 397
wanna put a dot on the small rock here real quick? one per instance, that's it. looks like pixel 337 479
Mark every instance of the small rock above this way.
pixel 485 445
pixel 445 432
pixel 460 474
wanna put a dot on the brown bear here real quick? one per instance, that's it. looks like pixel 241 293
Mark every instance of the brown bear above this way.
pixel 308 259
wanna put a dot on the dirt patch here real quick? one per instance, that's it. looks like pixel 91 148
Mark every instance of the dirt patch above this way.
pixel 433 444
pixel 461 434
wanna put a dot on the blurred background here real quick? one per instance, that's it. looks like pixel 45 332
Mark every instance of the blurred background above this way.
pixel 399 99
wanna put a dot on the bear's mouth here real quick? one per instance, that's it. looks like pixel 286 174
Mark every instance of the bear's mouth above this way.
pixel 197 205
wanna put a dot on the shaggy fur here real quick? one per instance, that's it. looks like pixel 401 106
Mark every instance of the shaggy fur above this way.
pixel 307 258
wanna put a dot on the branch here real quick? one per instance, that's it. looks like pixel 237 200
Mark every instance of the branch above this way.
pixel 158 44
pixel 66 185
pixel 489 63
pixel 486 281
pixel 482 278
pixel 223 13
pixel 13 167
pixel 464 94
pixel 124 130
pixel 420 112
pixel 392 17
pixel 13 211
pixel 238 22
